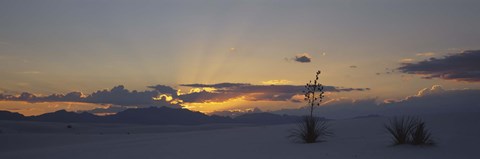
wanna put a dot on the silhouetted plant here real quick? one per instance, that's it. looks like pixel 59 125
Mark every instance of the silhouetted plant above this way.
pixel 69 126
pixel 408 130
pixel 314 93
pixel 421 135
pixel 310 129
pixel 400 128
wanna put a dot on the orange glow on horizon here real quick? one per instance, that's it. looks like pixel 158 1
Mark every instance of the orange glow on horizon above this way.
pixel 30 109
pixel 209 107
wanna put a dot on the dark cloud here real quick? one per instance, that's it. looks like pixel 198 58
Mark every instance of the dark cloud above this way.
pixel 28 97
pixel 164 89
pixel 117 95
pixel 426 101
pixel 461 67
pixel 121 96
pixel 303 58
pixel 253 92
pixel 435 100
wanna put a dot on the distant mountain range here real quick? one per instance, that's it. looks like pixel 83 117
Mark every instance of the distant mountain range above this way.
pixel 152 115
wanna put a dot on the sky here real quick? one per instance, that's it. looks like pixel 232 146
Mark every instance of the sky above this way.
pixel 103 50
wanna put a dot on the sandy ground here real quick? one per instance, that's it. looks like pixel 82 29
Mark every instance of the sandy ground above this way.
pixel 457 136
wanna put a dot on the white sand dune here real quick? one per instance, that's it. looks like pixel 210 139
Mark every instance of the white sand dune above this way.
pixel 457 136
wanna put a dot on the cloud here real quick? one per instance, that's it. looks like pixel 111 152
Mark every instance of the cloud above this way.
pixel 276 82
pixel 218 85
pixel 161 95
pixel 425 101
pixel 460 67
pixel 407 60
pixel 436 100
pixel 436 89
pixel 226 91
pixel 303 58
pixel 118 95
pixel 29 97
pixel 164 90
pixel 426 54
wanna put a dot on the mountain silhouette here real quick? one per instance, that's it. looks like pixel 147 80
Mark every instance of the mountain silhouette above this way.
pixel 6 115
pixel 164 115
pixel 64 116
pixel 152 115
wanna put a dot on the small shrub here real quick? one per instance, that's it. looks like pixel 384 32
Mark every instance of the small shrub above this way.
pixel 69 126
pixel 400 129
pixel 310 130
pixel 421 135
pixel 408 130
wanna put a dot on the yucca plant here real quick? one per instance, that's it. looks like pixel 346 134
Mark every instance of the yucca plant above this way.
pixel 400 129
pixel 409 130
pixel 421 135
pixel 310 129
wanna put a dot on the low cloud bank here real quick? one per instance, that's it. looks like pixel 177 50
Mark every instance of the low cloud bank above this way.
pixel 463 66
pixel 426 101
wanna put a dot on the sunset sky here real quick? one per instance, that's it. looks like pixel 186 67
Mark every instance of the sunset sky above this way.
pixel 231 55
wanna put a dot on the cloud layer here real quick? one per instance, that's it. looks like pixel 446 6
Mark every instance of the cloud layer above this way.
pixel 117 96
pixel 160 95
pixel 426 101
pixel 461 67
pixel 225 91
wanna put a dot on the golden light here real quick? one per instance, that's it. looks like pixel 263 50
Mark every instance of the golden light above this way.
pixel 208 107
pixel 28 109
pixel 167 97
pixel 276 82
pixel 206 89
